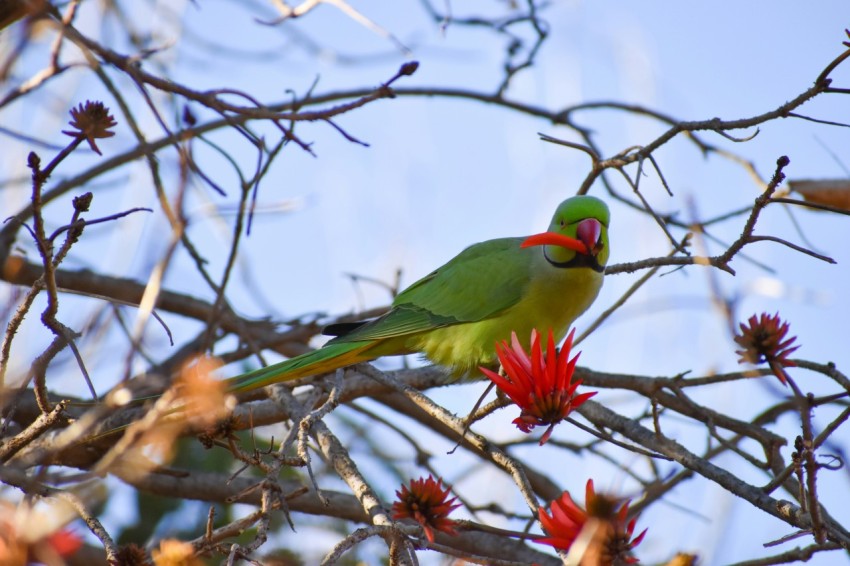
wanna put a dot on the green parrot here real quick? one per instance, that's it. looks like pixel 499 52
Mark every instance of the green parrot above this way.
pixel 457 313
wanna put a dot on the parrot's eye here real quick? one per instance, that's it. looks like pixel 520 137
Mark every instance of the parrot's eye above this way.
pixel 562 223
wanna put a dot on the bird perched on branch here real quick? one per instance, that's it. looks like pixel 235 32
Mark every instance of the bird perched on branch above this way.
pixel 457 313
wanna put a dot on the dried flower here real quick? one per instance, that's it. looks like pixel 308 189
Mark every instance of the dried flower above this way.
pixel 604 527
pixel 197 400
pixel 172 552
pixel 426 503
pixel 763 340
pixel 133 555
pixel 92 121
pixel 540 385
pixel 205 397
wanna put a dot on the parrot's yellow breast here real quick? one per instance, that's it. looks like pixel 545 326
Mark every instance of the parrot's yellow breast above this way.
pixel 553 299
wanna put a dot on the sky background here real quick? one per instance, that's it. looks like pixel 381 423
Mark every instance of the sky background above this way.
pixel 441 174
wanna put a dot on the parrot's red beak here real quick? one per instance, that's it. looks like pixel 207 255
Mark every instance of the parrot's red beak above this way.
pixel 555 239
pixel 588 232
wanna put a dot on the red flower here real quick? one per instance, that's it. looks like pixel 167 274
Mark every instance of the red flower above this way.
pixel 65 542
pixel 610 542
pixel 764 341
pixel 425 502
pixel 541 385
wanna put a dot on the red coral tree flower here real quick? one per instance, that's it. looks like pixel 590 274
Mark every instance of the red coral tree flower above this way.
pixel 610 543
pixel 65 542
pixel 540 384
pixel 763 340
pixel 426 503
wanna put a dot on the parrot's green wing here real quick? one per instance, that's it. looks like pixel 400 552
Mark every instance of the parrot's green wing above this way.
pixel 480 282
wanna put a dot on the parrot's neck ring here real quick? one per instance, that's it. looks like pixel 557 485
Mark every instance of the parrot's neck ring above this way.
pixel 580 260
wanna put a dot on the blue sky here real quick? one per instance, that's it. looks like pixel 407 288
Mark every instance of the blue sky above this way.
pixel 442 174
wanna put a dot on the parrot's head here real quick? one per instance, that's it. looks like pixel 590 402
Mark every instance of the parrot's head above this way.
pixel 577 236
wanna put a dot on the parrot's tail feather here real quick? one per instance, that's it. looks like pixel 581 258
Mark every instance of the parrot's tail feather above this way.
pixel 323 360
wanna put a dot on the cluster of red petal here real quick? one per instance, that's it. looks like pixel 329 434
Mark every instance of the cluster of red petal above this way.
pixel 763 340
pixel 540 384
pixel 426 503
pixel 65 542
pixel 567 521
